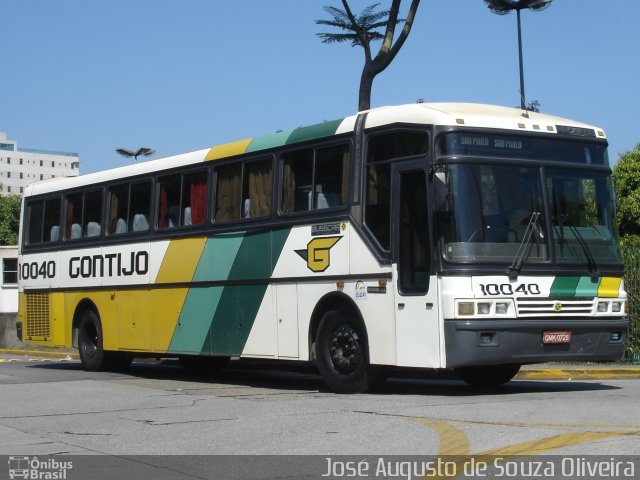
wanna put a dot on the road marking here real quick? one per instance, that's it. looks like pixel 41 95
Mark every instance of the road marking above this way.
pixel 454 441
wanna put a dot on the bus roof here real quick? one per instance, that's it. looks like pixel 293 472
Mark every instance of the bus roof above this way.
pixel 454 114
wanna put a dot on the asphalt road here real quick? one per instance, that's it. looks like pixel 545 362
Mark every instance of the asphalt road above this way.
pixel 50 406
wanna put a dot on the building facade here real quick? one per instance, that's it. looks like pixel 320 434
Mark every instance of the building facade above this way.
pixel 8 296
pixel 21 166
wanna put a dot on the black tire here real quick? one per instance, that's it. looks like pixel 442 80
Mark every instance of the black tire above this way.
pixel 341 354
pixel 488 376
pixel 90 343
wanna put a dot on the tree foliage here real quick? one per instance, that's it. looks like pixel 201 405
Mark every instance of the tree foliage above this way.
pixel 368 22
pixel 9 219
pixel 363 29
pixel 627 173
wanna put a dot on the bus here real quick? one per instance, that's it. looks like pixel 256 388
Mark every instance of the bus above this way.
pixel 460 237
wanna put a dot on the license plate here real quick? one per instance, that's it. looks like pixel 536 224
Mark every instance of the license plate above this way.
pixel 556 337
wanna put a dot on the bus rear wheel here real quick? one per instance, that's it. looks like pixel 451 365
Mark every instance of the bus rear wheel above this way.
pixel 91 346
pixel 487 376
pixel 341 354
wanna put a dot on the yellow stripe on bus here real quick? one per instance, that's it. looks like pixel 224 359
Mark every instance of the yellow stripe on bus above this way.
pixel 180 260
pixel 609 287
pixel 228 150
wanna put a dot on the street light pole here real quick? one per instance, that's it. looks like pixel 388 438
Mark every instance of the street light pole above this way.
pixel 503 7
pixel 523 104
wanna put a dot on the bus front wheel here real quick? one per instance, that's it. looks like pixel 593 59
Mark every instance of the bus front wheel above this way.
pixel 487 376
pixel 341 354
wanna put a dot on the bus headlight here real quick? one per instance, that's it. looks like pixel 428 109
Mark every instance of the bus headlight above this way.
pixel 484 308
pixel 603 307
pixel 502 308
pixel 466 308
pixel 616 307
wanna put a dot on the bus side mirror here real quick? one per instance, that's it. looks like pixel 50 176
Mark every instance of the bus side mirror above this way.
pixel 440 192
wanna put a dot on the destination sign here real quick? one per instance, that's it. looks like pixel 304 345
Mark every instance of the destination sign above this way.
pixel 491 142
pixel 539 147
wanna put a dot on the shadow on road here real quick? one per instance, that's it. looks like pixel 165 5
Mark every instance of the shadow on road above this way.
pixel 300 377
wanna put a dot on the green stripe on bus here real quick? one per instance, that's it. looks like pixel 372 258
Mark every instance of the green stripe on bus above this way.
pixel 201 304
pixel 239 304
pixel 269 141
pixel 587 287
pixel 311 132
pixel 575 287
pixel 564 286
pixel 218 319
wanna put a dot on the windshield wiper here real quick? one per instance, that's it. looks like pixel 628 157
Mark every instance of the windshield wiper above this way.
pixel 518 261
pixel 591 263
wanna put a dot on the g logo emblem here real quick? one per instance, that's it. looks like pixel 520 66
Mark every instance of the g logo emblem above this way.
pixel 317 253
pixel 557 307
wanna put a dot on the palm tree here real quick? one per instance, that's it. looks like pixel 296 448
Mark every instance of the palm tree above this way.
pixel 363 29
pixel 503 7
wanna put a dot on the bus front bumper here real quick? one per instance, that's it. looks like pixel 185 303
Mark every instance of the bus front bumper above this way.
pixel 522 341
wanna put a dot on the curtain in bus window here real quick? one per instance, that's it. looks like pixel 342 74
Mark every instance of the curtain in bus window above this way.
pixel 288 188
pixel 163 211
pixel 198 199
pixel 169 213
pixel 228 193
pixel 113 214
pixel 258 189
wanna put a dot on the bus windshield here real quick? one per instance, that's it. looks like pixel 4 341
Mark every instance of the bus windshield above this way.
pixel 493 206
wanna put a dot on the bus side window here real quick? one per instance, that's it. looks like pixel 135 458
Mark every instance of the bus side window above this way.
pixel 228 192
pixel 256 189
pixel 194 198
pixel 73 226
pixel 84 215
pixel 168 212
pixel 139 204
pixel 118 207
pixel 315 179
pixel 381 150
pixel 44 221
pixel 297 181
pixel 92 214
pixel 36 211
pixel 331 176
pixel 51 231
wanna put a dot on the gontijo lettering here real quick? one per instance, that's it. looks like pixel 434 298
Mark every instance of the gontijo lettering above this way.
pixel 109 265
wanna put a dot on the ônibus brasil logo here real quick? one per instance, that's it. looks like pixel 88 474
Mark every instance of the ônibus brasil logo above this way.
pixel 36 469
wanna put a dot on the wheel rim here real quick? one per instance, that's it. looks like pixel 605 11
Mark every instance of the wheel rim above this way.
pixel 345 350
pixel 90 340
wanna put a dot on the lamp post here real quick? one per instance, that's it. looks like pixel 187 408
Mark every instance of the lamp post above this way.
pixel 503 7
pixel 144 151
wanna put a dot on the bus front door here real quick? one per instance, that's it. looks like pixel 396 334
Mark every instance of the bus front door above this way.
pixel 416 302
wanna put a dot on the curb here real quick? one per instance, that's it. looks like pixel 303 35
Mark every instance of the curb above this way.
pixel 579 373
pixel 39 353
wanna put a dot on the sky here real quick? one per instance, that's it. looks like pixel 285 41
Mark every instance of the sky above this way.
pixel 182 75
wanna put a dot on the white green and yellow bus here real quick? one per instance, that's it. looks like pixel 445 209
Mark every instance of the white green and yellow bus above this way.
pixel 464 237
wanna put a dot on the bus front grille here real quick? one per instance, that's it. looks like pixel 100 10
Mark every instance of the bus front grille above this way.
pixel 37 316
pixel 553 307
